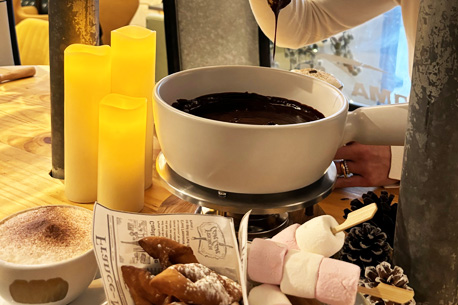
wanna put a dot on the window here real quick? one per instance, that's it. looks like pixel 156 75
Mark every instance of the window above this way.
pixel 371 60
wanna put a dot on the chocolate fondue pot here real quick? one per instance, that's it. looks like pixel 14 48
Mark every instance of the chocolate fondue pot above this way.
pixel 263 159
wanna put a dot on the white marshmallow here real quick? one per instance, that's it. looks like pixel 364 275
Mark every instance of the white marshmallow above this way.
pixel 316 236
pixel 300 273
pixel 267 294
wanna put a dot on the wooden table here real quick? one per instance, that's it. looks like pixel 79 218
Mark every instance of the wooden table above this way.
pixel 25 157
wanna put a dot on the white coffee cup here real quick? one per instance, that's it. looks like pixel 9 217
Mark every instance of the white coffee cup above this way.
pixel 51 283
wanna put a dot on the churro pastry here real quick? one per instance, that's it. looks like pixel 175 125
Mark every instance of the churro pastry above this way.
pixel 140 287
pixel 197 284
pixel 167 251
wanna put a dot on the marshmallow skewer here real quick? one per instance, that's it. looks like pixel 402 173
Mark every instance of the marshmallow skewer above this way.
pixel 297 260
pixel 308 275
pixel 388 292
pixel 323 235
pixel 356 217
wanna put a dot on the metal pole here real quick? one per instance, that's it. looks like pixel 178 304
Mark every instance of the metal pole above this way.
pixel 70 21
pixel 426 241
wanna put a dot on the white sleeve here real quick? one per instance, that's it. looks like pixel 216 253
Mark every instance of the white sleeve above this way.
pixel 397 155
pixel 303 22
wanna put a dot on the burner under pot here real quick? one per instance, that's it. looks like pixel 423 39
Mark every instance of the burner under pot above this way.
pixel 270 213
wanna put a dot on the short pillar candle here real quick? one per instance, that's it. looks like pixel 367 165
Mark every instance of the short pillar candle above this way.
pixel 87 79
pixel 122 132
pixel 133 74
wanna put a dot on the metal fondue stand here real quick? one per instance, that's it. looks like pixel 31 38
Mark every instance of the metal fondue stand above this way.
pixel 270 212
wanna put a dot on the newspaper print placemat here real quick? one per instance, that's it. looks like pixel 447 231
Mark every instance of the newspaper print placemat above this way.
pixel 212 238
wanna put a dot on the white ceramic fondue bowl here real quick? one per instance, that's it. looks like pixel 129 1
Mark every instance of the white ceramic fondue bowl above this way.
pixel 257 159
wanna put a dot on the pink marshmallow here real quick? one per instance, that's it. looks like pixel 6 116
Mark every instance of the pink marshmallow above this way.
pixel 337 282
pixel 265 261
pixel 288 237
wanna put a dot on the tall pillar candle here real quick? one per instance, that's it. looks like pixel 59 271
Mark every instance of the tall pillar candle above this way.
pixel 122 133
pixel 133 74
pixel 87 79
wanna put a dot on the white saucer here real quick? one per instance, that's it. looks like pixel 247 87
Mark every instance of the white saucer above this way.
pixel 94 295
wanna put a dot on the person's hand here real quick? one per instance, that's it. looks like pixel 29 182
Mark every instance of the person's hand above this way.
pixel 367 165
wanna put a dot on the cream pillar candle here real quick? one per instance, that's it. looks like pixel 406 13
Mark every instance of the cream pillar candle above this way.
pixel 87 79
pixel 122 132
pixel 133 74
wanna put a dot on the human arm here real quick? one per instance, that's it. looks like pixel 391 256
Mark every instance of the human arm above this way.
pixel 303 22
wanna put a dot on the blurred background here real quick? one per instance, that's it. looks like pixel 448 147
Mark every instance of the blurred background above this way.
pixel 370 60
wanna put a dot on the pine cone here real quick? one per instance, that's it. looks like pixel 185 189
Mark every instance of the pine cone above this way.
pixel 366 246
pixel 384 273
pixel 384 218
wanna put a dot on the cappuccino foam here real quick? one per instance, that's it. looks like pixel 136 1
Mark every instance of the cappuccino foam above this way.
pixel 45 235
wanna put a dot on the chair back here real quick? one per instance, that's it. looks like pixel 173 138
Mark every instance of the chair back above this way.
pixel 9 53
pixel 115 14
pixel 33 41
pixel 28 11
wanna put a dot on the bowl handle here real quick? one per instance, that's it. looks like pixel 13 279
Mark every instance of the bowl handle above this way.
pixel 377 125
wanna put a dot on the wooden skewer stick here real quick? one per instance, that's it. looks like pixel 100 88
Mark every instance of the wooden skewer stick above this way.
pixel 388 292
pixel 356 217
pixel 18 73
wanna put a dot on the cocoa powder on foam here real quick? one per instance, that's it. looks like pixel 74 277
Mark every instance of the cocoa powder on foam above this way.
pixel 45 235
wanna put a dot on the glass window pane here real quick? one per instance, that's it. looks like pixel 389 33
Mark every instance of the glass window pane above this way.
pixel 371 60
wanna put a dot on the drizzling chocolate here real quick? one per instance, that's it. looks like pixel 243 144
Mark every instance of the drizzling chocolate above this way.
pixel 277 6
pixel 248 108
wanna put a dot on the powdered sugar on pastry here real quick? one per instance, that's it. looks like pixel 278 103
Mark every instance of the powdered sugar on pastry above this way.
pixel 204 280
pixel 197 284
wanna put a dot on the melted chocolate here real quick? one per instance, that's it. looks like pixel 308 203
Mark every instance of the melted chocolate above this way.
pixel 277 6
pixel 248 108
